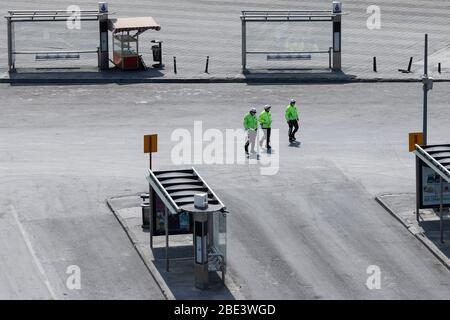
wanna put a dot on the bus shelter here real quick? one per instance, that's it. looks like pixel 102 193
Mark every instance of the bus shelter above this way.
pixel 433 180
pixel 174 210
pixel 15 17
pixel 334 17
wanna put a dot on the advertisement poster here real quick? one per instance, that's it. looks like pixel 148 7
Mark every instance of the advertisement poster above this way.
pixel 178 223
pixel 431 189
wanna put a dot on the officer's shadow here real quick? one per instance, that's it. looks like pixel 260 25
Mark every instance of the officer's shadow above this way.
pixel 295 144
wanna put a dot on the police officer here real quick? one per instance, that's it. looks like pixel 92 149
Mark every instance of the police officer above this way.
pixel 251 126
pixel 265 119
pixel 291 116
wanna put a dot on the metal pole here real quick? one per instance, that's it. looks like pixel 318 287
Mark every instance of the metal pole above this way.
pixel 160 52
pixel 207 64
pixel 417 189
pixel 410 64
pixel 425 92
pixel 330 52
pixel 167 238
pixel 137 52
pixel 337 43
pixel 244 46
pixel 150 161
pixel 441 208
pixel 103 39
pixel 10 44
pixel 425 65
pixel 150 204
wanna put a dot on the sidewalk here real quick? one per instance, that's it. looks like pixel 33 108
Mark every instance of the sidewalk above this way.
pixel 402 207
pixel 178 283
pixel 92 75
pixel 193 31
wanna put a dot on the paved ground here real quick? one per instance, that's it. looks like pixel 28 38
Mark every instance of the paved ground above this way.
pixel 310 231
pixel 194 29
pixel 178 283
pixel 402 206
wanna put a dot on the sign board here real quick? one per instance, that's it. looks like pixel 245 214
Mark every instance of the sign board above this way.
pixel 180 223
pixel 430 188
pixel 102 7
pixel 150 143
pixel 337 7
pixel 415 138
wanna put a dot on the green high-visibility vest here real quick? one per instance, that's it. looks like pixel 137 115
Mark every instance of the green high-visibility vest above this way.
pixel 291 112
pixel 250 122
pixel 265 118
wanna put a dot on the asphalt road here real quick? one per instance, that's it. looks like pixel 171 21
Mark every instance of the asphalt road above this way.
pixel 309 231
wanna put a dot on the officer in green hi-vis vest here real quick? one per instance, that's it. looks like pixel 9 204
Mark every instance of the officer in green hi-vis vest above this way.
pixel 291 116
pixel 251 126
pixel 265 119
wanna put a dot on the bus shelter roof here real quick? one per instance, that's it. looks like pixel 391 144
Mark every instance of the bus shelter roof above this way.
pixel 436 157
pixel 176 189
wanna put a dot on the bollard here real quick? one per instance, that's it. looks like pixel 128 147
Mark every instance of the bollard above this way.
pixel 175 65
pixel 374 64
pixel 409 67
pixel 410 63
pixel 439 67
pixel 207 64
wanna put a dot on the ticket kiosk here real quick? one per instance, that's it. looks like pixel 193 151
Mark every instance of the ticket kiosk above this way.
pixel 125 52
pixel 125 36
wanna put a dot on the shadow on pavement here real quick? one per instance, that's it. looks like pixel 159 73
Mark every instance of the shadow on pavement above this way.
pixel 297 75
pixel 432 231
pixel 79 75
pixel 180 278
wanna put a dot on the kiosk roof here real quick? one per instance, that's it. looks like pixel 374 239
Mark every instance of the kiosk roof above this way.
pixel 139 24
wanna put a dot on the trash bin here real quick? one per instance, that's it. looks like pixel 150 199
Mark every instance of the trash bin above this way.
pixel 156 49
pixel 145 215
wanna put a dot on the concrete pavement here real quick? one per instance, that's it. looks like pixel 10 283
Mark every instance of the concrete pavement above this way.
pixel 402 207
pixel 310 231
pixel 178 283
pixel 192 30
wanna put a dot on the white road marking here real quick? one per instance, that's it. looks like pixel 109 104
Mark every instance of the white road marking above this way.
pixel 32 252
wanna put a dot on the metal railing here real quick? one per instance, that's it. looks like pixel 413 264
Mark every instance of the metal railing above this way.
pixel 292 55
pixel 286 15
pixel 50 15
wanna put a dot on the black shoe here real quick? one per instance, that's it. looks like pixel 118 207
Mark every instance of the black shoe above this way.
pixel 293 138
